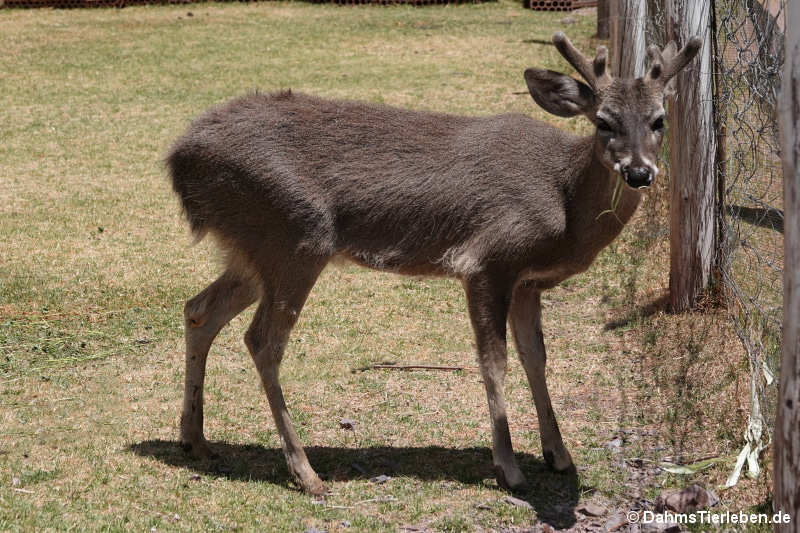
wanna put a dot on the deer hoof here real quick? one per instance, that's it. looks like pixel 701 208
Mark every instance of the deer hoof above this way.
pixel 560 461
pixel 315 488
pixel 198 450
pixel 511 480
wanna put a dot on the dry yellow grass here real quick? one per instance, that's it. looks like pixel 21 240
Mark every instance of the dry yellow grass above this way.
pixel 97 263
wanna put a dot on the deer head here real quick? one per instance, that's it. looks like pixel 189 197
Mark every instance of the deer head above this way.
pixel 628 114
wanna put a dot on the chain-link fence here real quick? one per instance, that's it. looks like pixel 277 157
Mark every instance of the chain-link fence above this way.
pixel 748 60
pixel 748 56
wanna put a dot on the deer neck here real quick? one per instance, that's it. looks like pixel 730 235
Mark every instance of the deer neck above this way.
pixel 604 202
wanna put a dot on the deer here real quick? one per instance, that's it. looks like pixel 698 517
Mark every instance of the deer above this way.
pixel 509 205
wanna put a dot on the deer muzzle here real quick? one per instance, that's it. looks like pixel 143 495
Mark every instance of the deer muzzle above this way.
pixel 637 177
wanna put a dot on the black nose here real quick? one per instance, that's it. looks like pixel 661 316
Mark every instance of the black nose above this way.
pixel 637 177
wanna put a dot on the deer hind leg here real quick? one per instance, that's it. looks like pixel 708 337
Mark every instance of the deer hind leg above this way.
pixel 205 315
pixel 285 293
pixel 526 324
pixel 488 310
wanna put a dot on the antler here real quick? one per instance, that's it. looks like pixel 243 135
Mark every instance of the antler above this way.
pixel 664 64
pixel 594 72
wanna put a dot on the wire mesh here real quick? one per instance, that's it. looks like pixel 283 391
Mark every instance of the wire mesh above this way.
pixel 69 4
pixel 749 57
pixel 558 5
pixel 748 61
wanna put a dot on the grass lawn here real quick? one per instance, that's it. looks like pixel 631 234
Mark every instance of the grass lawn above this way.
pixel 96 263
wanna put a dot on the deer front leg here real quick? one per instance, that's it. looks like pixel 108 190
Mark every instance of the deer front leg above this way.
pixel 526 324
pixel 488 308
pixel 205 315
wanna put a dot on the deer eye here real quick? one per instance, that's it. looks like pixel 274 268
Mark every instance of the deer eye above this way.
pixel 658 124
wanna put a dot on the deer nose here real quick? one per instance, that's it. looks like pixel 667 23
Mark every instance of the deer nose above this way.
pixel 637 177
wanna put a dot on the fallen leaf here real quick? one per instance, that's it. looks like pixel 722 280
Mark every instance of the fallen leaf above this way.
pixel 686 500
pixel 615 522
pixel 591 509
pixel 347 423
pixel 692 468
pixel 517 502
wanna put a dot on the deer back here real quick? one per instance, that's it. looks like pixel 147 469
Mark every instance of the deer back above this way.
pixel 409 191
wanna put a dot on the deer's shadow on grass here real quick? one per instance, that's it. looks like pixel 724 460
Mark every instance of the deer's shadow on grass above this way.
pixel 553 495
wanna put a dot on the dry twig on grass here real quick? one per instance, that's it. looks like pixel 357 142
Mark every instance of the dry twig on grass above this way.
pixel 385 366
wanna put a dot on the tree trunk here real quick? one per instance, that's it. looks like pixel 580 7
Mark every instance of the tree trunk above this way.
pixel 786 494
pixel 692 159
pixel 603 30
pixel 628 48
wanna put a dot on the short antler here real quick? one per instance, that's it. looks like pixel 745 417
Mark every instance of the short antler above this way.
pixel 664 64
pixel 594 72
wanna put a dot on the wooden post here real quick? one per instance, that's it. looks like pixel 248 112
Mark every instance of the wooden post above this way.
pixel 603 30
pixel 628 47
pixel 692 159
pixel 786 494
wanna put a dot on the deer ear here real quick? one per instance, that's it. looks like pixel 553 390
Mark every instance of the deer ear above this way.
pixel 671 89
pixel 559 94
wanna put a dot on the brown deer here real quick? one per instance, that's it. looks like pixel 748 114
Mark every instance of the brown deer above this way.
pixel 509 205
